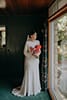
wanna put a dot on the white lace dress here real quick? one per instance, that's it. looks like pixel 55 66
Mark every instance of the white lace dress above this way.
pixel 31 81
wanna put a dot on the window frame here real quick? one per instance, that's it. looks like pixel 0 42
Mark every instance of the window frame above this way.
pixel 59 13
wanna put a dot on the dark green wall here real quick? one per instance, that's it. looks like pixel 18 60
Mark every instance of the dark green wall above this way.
pixel 17 28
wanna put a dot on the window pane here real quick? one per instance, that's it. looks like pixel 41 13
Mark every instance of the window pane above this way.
pixel 60 51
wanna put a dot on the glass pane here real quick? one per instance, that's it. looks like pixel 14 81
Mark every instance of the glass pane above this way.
pixel 60 50
pixel 2 36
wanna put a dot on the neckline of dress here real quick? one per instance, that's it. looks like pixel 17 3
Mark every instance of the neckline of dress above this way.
pixel 32 41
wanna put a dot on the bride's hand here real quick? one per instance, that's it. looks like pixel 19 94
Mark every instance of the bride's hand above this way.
pixel 36 55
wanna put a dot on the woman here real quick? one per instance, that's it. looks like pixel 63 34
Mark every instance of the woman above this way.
pixel 31 80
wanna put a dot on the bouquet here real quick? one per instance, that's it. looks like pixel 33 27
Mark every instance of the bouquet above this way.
pixel 36 49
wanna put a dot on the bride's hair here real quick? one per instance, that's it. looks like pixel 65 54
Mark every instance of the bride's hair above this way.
pixel 31 33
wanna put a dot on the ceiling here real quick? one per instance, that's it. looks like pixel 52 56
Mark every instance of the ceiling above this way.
pixel 13 4
pixel 26 5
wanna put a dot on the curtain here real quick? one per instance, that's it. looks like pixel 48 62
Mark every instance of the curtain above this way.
pixel 44 69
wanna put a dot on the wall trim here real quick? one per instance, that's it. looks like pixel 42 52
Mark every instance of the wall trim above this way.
pixel 58 13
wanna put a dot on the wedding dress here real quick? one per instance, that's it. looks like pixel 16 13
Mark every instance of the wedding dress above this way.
pixel 31 81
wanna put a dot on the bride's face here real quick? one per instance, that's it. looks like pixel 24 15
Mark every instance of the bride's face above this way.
pixel 34 36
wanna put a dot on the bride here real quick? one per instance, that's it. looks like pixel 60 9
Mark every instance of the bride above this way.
pixel 31 81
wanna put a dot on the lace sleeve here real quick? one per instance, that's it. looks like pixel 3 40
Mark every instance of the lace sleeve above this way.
pixel 27 52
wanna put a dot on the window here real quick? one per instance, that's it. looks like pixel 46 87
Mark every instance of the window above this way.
pixel 58 57
pixel 2 36
pixel 2 3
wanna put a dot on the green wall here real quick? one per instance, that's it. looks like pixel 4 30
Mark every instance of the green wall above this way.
pixel 17 28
